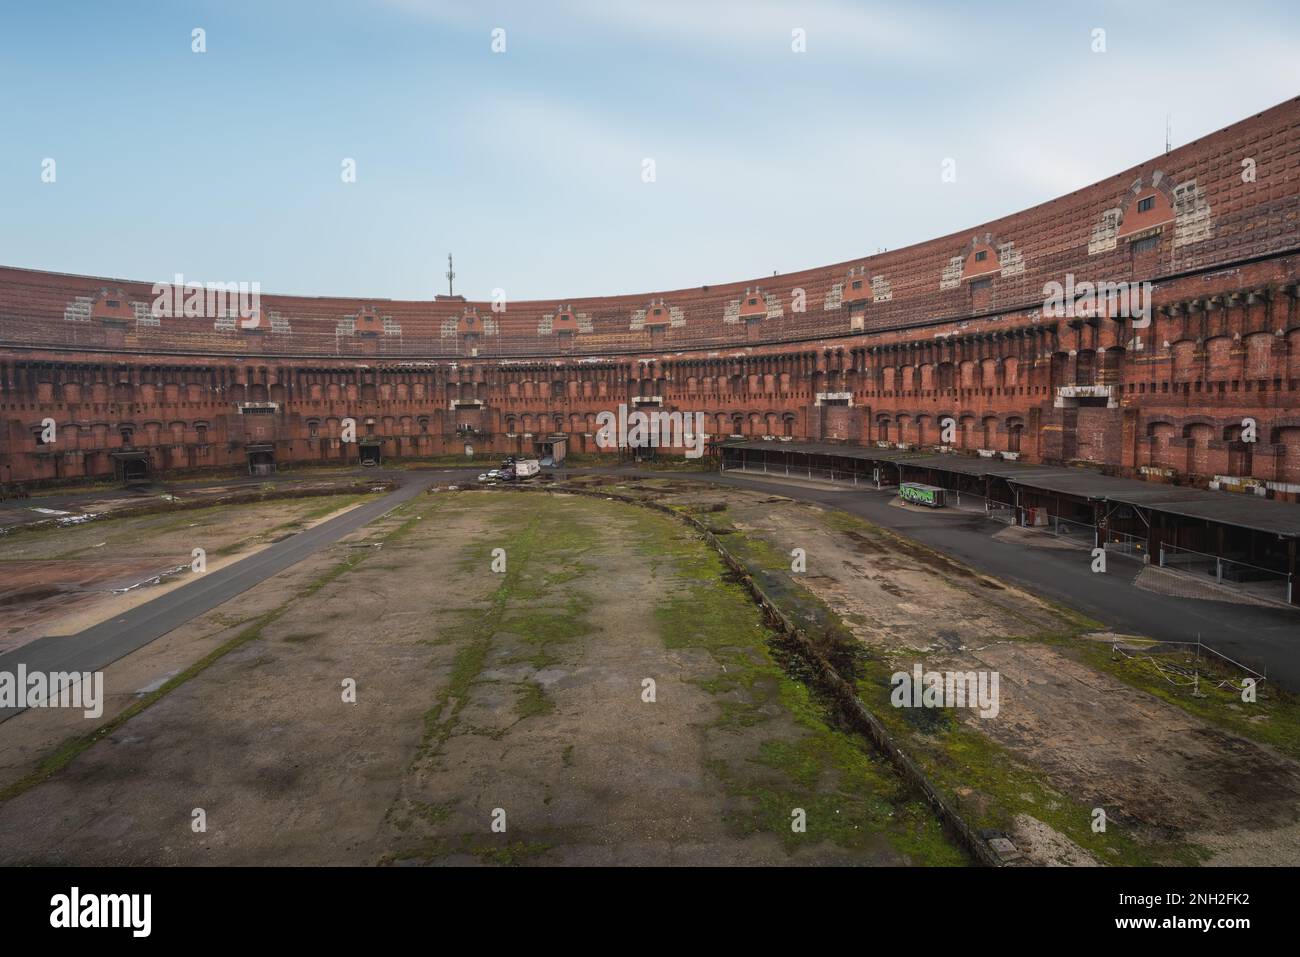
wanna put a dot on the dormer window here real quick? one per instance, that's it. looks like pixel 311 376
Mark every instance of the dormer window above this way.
pixel 857 284
pixel 114 304
pixel 980 255
pixel 1145 205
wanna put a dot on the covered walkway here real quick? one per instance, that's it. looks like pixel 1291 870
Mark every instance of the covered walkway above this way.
pixel 1236 538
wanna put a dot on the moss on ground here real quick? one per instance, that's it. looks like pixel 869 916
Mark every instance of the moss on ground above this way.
pixel 981 777
pixel 990 785
pixel 850 795
pixel 1273 719
pixel 535 602
pixel 1205 687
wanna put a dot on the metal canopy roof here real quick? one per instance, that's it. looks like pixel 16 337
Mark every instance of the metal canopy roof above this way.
pixel 1226 508
pixel 865 452
pixel 972 466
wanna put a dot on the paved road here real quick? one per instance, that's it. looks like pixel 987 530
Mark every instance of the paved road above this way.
pixel 1267 638
pixel 100 645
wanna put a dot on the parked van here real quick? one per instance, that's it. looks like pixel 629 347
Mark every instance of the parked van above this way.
pixel 526 468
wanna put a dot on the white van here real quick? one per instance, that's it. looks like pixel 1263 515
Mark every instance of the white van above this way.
pixel 526 468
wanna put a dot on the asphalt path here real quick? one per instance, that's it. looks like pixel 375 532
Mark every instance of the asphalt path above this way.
pixel 100 645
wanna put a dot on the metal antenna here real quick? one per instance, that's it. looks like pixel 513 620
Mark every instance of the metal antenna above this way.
pixel 450 274
pixel 1169 132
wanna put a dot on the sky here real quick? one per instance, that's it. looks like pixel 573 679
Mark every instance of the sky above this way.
pixel 529 163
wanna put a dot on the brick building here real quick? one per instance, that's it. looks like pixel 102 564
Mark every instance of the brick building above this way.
pixel 1196 385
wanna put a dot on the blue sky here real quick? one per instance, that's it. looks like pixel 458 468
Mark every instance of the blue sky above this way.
pixel 527 164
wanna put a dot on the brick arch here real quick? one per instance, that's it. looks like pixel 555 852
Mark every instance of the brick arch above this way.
pixel 989 372
pixel 966 374
pixel 1183 354
pixel 1187 421
pixel 1015 429
pixel 1218 351
pixel 1286 438
pixel 1260 362
pixel 927 429
pixel 1135 220
pixel 1198 433
pixel 1160 451
pixel 966 431
pixel 989 431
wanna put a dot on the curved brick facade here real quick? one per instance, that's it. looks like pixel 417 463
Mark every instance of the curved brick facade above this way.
pixel 879 349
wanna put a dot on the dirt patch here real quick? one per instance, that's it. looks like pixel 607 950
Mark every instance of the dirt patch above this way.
pixel 1044 845
pixel 62 580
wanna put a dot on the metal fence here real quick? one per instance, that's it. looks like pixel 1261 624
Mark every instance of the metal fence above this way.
pixel 1125 543
pixel 1233 573
pixel 840 476
pixel 1084 533
pixel 1003 512
pixel 1040 519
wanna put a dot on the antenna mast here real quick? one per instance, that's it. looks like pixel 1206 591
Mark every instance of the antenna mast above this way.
pixel 450 274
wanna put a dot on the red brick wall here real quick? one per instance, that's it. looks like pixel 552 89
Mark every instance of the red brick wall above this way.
pixel 1223 345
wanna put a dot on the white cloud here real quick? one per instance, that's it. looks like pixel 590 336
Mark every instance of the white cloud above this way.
pixel 724 28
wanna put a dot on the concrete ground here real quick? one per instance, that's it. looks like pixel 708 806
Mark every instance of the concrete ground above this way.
pixel 1261 636
pixel 517 698
pixel 1179 780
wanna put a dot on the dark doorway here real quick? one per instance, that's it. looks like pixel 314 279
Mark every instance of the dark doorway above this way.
pixel 261 460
